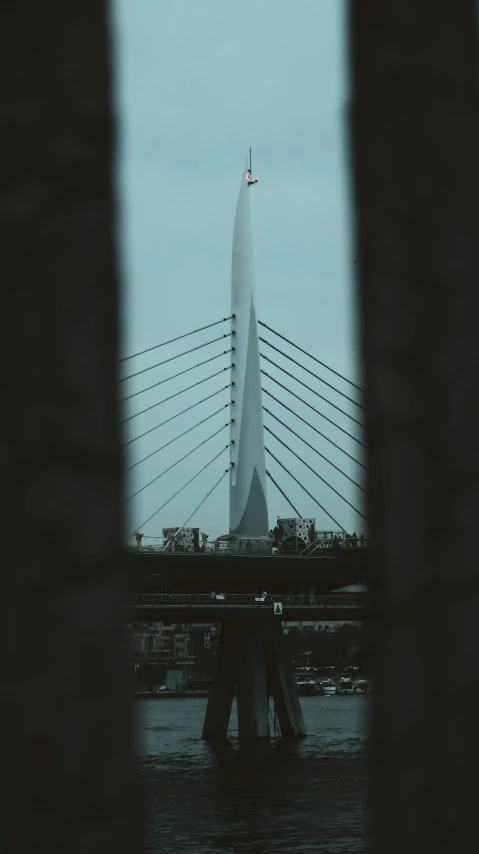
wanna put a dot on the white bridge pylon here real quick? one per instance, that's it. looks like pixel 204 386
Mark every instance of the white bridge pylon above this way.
pixel 248 505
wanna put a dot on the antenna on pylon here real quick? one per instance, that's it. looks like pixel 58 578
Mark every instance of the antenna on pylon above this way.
pixel 250 172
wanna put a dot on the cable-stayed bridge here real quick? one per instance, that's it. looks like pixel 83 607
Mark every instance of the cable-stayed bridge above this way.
pixel 314 434
pixel 227 407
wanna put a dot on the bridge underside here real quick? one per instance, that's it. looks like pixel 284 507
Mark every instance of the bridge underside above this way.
pixel 247 663
pixel 202 573
pixel 219 614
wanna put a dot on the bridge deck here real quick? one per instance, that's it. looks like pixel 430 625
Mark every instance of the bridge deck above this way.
pixel 198 608
pixel 202 573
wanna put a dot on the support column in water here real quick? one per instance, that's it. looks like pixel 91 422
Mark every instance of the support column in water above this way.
pixel 248 508
pixel 286 700
pixel 252 685
pixel 220 701
pixel 250 655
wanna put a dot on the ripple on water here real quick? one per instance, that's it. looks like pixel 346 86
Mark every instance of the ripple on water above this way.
pixel 265 797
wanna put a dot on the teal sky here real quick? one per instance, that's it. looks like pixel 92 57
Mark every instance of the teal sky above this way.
pixel 197 83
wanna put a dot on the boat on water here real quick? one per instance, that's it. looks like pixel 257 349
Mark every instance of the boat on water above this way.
pixel 345 686
pixel 362 686
pixel 328 686
pixel 307 685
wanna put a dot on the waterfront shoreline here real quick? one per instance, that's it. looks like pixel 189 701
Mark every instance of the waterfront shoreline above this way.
pixel 168 695
pixel 201 695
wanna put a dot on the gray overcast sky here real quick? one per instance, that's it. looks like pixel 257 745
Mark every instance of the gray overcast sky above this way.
pixel 197 83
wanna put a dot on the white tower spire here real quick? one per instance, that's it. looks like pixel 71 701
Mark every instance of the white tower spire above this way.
pixel 248 509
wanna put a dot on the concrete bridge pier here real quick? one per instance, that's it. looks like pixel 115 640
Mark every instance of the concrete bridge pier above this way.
pixel 252 685
pixel 248 661
pixel 218 710
pixel 286 700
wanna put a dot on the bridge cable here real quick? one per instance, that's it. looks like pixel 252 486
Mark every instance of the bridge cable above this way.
pixel 165 399
pixel 155 385
pixel 178 356
pixel 164 343
pixel 312 407
pixel 203 500
pixel 283 494
pixel 182 412
pixel 308 493
pixel 180 436
pixel 323 365
pixel 313 391
pixel 176 463
pixel 315 450
pixel 316 473
pixel 314 428
pixel 351 399
pixel 180 490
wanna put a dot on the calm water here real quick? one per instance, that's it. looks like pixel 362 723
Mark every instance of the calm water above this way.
pixel 267 797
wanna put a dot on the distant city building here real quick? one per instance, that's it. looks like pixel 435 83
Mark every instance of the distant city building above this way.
pixel 168 638
pixel 181 645
pixel 201 637
pixel 146 641
pixel 317 626
pixel 151 642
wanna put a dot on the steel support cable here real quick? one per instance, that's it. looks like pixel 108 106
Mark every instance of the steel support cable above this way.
pixel 314 428
pixel 323 365
pixel 306 491
pixel 314 449
pixel 180 436
pixel 316 473
pixel 165 399
pixel 175 376
pixel 165 471
pixel 203 500
pixel 182 412
pixel 180 490
pixel 178 356
pixel 313 408
pixel 332 387
pixel 283 494
pixel 312 390
pixel 164 343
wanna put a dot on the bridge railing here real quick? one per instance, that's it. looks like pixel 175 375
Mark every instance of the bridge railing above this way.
pixel 314 549
pixel 242 600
